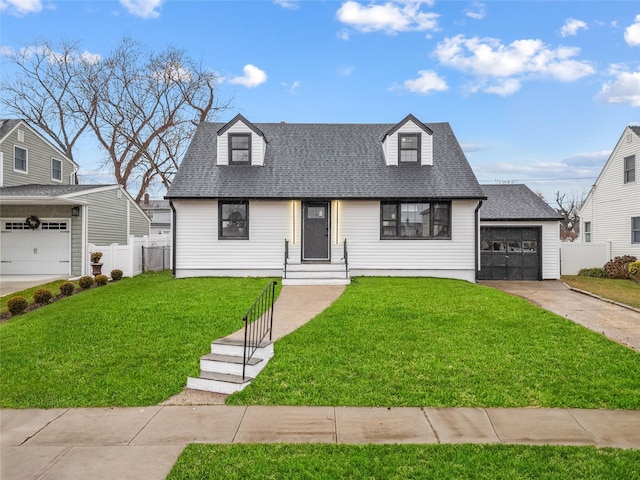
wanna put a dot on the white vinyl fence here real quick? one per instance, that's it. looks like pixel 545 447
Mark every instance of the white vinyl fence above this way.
pixel 576 256
pixel 127 258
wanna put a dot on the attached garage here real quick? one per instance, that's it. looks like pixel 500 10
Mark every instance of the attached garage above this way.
pixel 45 250
pixel 519 235
pixel 510 253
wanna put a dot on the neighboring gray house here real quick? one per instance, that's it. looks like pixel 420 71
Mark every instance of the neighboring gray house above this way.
pixel 611 212
pixel 159 211
pixel 319 202
pixel 519 235
pixel 46 219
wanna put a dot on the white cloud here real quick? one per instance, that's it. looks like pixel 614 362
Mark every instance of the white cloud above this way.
pixel 252 77
pixel 142 8
pixel 571 27
pixel 625 88
pixel 477 11
pixel 20 7
pixel 389 17
pixel 632 33
pixel 427 82
pixel 488 59
pixel 289 4
pixel 346 71
pixel 293 87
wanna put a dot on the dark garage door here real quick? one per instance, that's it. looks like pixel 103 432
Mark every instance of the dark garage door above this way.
pixel 510 253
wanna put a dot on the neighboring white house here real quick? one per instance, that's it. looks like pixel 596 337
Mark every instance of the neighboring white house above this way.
pixel 611 211
pixel 326 200
pixel 46 218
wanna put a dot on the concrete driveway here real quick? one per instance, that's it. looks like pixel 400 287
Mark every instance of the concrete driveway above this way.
pixel 618 323
pixel 14 283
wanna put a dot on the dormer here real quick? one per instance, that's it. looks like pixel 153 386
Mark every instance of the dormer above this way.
pixel 409 142
pixel 240 142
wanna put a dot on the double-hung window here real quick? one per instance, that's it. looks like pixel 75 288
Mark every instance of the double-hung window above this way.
pixel 408 148
pixel 415 220
pixel 56 169
pixel 233 220
pixel 635 229
pixel 239 148
pixel 587 232
pixel 20 159
pixel 630 169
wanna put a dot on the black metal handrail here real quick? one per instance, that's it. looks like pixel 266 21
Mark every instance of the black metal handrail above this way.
pixel 258 322
pixel 346 259
pixel 286 256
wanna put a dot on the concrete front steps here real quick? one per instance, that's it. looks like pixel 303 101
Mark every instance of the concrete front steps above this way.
pixel 221 370
pixel 316 274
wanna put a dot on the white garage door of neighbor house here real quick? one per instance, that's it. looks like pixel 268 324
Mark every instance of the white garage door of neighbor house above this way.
pixel 43 251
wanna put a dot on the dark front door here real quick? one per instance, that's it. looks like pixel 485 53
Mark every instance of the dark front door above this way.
pixel 315 231
pixel 510 253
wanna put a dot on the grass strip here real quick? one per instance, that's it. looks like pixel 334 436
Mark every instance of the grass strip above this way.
pixel 390 462
pixel 434 342
pixel 621 291
pixel 130 343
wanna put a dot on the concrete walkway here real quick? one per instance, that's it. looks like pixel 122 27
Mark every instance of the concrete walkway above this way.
pixel 145 442
pixel 616 322
pixel 14 283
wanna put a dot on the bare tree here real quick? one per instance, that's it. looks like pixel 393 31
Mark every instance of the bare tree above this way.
pixel 569 208
pixel 141 106
pixel 44 91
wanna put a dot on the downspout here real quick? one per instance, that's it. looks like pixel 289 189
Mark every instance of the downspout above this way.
pixel 173 238
pixel 477 235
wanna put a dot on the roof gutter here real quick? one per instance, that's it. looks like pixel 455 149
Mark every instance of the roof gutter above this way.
pixel 173 238
pixel 477 239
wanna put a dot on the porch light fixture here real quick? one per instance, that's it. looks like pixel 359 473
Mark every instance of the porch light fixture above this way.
pixel 75 211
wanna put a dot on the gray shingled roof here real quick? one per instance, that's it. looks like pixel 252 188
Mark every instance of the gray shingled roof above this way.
pixel 635 130
pixel 324 161
pixel 45 190
pixel 514 202
pixel 6 125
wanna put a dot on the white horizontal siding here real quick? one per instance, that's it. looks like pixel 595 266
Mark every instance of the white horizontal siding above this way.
pixel 612 203
pixel 359 223
pixel 550 238
pixel 258 145
pixel 199 249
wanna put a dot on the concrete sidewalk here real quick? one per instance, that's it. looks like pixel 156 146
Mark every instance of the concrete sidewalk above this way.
pixel 121 443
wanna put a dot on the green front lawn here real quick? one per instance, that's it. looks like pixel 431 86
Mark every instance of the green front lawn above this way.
pixel 246 462
pixel 421 341
pixel 621 291
pixel 28 293
pixel 130 343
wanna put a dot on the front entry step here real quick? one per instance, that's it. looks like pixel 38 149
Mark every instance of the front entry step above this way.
pixel 316 274
pixel 221 370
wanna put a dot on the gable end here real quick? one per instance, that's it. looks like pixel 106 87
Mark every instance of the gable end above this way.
pixel 409 127
pixel 240 128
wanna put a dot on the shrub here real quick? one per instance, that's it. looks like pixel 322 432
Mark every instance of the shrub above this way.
pixel 619 266
pixel 95 257
pixel 17 305
pixel 67 289
pixel 634 271
pixel 102 280
pixel 42 296
pixel 592 272
pixel 116 275
pixel 85 282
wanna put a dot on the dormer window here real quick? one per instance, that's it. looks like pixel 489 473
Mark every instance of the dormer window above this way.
pixel 408 148
pixel 239 149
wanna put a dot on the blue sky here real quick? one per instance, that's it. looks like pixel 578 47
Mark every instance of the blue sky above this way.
pixel 536 92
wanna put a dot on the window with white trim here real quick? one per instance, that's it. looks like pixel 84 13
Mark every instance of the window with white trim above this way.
pixel 630 169
pixel 19 159
pixel 587 232
pixel 56 169
pixel 635 229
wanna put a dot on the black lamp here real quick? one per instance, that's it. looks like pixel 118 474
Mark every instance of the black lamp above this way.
pixel 75 211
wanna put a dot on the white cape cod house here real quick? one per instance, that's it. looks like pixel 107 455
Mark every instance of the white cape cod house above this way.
pixel 323 202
